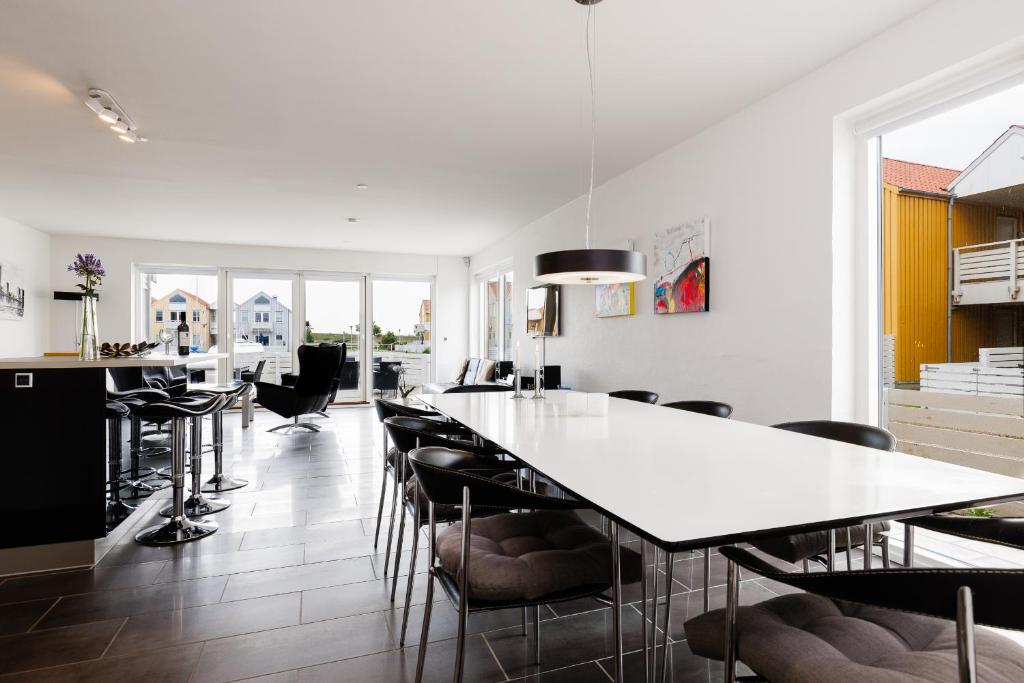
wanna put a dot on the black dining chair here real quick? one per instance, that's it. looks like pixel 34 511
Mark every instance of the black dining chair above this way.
pixel 820 546
pixel 290 378
pixel 890 625
pixel 318 369
pixel 638 395
pixel 556 557
pixel 712 408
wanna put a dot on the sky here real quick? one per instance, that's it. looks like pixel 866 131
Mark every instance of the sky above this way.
pixel 331 305
pixel 957 137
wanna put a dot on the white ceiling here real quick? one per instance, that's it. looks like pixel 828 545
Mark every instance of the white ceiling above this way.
pixel 467 118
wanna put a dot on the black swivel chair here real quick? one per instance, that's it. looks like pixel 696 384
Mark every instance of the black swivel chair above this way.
pixel 385 377
pixel 289 379
pixel 318 369
pixel 253 376
pixel 821 545
pixel 875 625
pixel 638 395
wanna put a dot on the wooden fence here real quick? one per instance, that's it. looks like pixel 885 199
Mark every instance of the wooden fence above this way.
pixel 983 432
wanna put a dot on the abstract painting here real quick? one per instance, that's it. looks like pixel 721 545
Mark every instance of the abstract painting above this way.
pixel 682 268
pixel 12 293
pixel 615 300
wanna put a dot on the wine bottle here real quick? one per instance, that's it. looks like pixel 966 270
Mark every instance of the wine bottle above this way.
pixel 184 340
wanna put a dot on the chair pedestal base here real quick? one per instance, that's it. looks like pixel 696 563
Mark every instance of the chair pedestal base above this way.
pixel 198 505
pixel 295 424
pixel 223 482
pixel 176 530
pixel 141 489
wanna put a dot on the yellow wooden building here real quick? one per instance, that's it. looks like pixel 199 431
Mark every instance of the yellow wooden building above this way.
pixel 916 280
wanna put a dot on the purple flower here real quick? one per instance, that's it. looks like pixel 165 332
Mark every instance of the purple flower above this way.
pixel 89 267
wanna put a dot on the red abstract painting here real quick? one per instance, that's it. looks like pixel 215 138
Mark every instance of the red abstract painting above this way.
pixel 687 293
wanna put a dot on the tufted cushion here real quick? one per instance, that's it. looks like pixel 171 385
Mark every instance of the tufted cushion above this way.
pixel 804 638
pixel 804 546
pixel 531 555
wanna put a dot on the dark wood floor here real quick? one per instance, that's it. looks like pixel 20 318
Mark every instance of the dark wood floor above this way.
pixel 291 589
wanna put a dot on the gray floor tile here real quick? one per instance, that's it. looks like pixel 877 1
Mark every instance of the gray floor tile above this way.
pixel 18 617
pixel 56 646
pixel 299 578
pixel 170 665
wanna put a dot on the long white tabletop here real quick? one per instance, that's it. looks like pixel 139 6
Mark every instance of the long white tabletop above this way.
pixel 688 481
pixel 73 362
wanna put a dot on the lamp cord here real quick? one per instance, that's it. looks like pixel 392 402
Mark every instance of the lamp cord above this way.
pixel 591 19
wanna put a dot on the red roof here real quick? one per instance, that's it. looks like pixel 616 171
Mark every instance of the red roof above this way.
pixel 917 177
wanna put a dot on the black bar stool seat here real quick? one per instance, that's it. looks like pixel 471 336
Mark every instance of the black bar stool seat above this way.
pixel 117 509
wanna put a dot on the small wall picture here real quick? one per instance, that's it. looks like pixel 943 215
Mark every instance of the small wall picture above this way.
pixel 682 268
pixel 12 292
pixel 615 300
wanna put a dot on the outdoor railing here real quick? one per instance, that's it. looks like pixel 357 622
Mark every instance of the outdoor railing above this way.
pixel 995 267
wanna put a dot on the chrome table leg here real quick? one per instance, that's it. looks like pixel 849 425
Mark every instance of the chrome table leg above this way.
pixel 707 579
pixel 908 545
pixel 732 594
pixel 869 541
pixel 617 602
pixel 669 567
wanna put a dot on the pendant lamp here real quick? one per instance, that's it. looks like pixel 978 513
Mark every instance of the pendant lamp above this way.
pixel 590 266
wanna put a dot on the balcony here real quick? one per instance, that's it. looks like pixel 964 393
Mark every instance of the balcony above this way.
pixel 988 273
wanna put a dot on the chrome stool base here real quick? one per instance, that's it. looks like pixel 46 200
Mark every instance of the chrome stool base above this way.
pixel 223 482
pixel 289 426
pixel 177 530
pixel 142 489
pixel 118 511
pixel 198 506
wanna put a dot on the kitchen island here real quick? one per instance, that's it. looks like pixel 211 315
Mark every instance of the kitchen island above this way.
pixel 54 456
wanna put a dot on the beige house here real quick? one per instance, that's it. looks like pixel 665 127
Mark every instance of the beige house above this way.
pixel 167 312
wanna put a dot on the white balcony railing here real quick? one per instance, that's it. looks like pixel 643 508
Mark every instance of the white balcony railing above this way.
pixel 988 273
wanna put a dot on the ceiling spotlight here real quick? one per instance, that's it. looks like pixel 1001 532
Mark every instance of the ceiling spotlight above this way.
pixel 362 186
pixel 352 219
pixel 107 109
pixel 108 115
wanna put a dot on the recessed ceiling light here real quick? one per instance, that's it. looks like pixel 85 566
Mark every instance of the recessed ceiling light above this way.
pixel 108 115
pixel 120 127
pixel 352 219
pixel 129 137
pixel 362 186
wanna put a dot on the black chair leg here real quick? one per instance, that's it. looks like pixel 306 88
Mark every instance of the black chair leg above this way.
pixel 117 509
pixel 421 656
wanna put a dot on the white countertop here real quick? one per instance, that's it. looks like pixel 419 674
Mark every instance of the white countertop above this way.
pixel 73 363
pixel 684 478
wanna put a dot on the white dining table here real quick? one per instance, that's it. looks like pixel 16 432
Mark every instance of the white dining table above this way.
pixel 685 481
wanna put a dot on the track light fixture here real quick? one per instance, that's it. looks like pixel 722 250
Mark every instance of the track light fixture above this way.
pixel 109 111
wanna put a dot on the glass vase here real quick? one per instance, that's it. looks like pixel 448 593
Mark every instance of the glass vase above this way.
pixel 88 344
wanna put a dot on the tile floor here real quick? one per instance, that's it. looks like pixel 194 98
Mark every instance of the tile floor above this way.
pixel 291 589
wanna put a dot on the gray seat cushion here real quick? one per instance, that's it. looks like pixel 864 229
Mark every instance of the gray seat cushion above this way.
pixel 799 547
pixel 804 638
pixel 531 555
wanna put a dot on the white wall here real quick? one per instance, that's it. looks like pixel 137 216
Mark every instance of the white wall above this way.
pixel 29 251
pixel 780 204
pixel 118 255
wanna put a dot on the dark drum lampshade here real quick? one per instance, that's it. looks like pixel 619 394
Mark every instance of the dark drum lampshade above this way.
pixel 590 266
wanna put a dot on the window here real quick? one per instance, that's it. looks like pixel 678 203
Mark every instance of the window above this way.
pixel 159 316
pixel 261 316
pixel 196 314
pixel 195 340
pixel 244 315
pixel 167 296
pixel 497 315
pixel 279 339
pixel 279 316
pixel 174 315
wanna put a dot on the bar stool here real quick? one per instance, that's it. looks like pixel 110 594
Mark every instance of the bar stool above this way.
pixel 219 481
pixel 134 399
pixel 179 528
pixel 117 509
pixel 197 504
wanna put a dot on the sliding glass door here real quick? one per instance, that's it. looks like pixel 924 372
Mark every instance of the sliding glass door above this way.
pixel 334 304
pixel 402 335
pixel 263 327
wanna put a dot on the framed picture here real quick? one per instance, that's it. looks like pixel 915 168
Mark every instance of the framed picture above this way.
pixel 682 266
pixel 542 311
pixel 12 293
pixel 615 300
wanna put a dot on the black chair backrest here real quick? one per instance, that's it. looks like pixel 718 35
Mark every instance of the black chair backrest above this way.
pixel 443 472
pixel 923 591
pixel 386 409
pixel 712 408
pixel 408 433
pixel 318 367
pixel 123 379
pixel 258 372
pixel 638 395
pixel 847 432
pixel 476 388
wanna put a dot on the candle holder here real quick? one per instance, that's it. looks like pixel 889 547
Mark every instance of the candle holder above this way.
pixel 538 373
pixel 517 382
